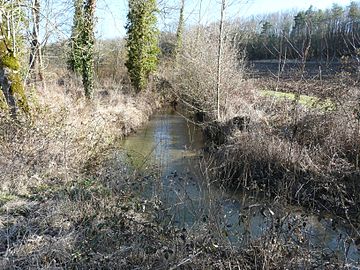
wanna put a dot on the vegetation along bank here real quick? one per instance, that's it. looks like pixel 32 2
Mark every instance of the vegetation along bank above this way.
pixel 276 97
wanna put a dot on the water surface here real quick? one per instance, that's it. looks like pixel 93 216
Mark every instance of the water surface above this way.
pixel 172 146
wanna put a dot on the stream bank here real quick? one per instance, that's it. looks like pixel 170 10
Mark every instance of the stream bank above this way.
pixel 145 202
pixel 282 162
pixel 64 197
pixel 190 199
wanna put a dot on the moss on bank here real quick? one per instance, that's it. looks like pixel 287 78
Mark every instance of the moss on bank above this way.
pixel 11 64
pixel 307 101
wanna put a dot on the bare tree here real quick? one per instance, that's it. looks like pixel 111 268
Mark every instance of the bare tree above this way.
pixel 35 61
pixel 180 29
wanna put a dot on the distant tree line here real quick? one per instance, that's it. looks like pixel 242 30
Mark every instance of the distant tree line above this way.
pixel 322 35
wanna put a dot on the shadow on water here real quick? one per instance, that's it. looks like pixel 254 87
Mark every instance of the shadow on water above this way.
pixel 172 147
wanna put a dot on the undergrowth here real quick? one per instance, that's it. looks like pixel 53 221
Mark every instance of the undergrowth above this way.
pixel 303 148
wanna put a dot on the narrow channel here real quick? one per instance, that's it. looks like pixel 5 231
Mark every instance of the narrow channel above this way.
pixel 172 146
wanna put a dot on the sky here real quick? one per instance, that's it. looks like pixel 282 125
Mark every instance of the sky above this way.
pixel 111 14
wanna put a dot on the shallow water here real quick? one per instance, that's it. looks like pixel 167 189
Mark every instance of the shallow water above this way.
pixel 172 146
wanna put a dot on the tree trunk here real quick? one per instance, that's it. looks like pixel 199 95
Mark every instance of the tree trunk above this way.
pixel 89 41
pixel 10 80
pixel 218 84
pixel 35 52
pixel 5 85
pixel 180 30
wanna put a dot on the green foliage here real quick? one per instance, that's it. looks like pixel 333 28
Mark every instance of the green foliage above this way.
pixel 17 90
pixel 354 11
pixel 10 38
pixel 10 61
pixel 306 101
pixel 76 51
pixel 142 41
pixel 5 197
pixel 180 30
pixel 81 57
pixel 88 41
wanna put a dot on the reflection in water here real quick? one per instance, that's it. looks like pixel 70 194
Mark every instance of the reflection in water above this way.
pixel 173 146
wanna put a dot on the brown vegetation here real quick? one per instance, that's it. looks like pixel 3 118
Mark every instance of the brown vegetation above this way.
pixel 308 156
pixel 305 155
pixel 68 200
pixel 58 172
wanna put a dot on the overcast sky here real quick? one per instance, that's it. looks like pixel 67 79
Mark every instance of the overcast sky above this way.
pixel 112 13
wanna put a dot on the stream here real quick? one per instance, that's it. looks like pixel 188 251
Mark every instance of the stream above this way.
pixel 171 146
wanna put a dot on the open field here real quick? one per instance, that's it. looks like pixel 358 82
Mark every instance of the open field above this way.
pixel 289 68
pixel 307 101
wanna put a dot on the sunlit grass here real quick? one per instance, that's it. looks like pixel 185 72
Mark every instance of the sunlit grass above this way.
pixel 5 197
pixel 307 101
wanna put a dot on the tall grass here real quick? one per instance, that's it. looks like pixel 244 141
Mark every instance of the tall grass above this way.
pixel 61 178
pixel 308 155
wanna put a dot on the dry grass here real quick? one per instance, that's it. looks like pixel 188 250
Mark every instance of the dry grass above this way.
pixel 65 133
pixel 302 155
pixel 61 179
pixel 306 156
pixel 67 199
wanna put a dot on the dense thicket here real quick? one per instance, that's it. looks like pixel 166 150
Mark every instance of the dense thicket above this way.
pixel 312 34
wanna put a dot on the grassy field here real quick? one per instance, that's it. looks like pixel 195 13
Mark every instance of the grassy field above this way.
pixel 306 101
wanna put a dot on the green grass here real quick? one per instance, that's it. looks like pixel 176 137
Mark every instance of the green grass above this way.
pixel 4 198
pixel 307 101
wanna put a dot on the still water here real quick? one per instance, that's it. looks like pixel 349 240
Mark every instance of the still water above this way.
pixel 171 146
